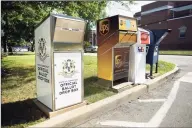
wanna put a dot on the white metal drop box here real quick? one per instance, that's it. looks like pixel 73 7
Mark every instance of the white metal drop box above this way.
pixel 58 51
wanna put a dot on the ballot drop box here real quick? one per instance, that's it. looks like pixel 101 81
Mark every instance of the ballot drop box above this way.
pixel 115 35
pixel 58 50
pixel 138 57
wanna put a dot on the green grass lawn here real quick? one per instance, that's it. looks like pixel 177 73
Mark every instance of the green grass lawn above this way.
pixel 93 94
pixel 175 52
pixel 163 67
pixel 19 89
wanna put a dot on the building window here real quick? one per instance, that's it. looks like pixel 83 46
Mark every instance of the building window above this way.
pixel 182 31
pixel 172 14
pixel 138 22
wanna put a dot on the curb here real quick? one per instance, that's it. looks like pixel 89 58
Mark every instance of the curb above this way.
pixel 88 112
pixel 162 79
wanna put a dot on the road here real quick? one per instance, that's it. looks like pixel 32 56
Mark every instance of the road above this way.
pixel 169 105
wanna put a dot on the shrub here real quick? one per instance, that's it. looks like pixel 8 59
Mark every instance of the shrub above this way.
pixel 86 44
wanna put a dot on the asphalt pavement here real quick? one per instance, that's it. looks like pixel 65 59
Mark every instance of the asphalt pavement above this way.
pixel 169 105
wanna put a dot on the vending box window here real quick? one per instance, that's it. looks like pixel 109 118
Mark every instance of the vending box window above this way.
pixel 58 50
pixel 138 57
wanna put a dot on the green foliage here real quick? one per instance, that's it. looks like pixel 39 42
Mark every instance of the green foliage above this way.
pixel 19 18
pixel 126 4
pixel 86 44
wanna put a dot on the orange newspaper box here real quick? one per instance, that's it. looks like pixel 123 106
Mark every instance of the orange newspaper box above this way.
pixel 115 35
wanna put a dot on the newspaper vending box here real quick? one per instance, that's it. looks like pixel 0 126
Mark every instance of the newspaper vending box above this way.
pixel 115 35
pixel 138 57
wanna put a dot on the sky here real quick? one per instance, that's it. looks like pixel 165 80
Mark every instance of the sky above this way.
pixel 115 8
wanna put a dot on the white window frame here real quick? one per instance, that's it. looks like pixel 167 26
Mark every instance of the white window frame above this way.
pixel 182 30
pixel 182 8
pixel 156 10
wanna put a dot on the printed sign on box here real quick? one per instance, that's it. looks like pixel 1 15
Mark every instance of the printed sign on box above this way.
pixel 68 79
pixel 121 62
pixel 104 26
pixel 145 39
pixel 127 24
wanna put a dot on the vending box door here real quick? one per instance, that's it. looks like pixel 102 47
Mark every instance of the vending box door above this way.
pixel 68 79
pixel 68 30
pixel 127 38
pixel 140 63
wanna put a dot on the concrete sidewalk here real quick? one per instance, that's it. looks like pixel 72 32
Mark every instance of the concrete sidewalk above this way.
pixel 82 114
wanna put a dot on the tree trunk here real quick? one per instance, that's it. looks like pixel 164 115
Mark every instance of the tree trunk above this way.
pixel 5 34
pixel 33 44
pixel 5 44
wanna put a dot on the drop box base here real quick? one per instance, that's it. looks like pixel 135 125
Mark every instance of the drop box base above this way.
pixel 51 113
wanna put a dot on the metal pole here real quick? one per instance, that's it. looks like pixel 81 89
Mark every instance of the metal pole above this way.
pixel 92 37
pixel 156 70
pixel 151 69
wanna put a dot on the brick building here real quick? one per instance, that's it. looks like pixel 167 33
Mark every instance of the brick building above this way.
pixel 175 15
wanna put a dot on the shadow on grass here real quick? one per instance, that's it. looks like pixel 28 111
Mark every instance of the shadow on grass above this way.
pixel 93 86
pixel 13 77
pixel 89 80
pixel 20 112
pixel 25 112
pixel 88 89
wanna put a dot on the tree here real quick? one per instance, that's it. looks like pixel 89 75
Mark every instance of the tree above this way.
pixel 21 17
pixel 4 22
pixel 126 3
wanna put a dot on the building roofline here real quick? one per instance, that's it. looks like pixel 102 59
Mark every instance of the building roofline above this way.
pixel 165 7
pixel 179 18
pixel 182 8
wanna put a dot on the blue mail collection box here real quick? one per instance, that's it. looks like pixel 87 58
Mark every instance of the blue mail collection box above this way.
pixel 152 50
